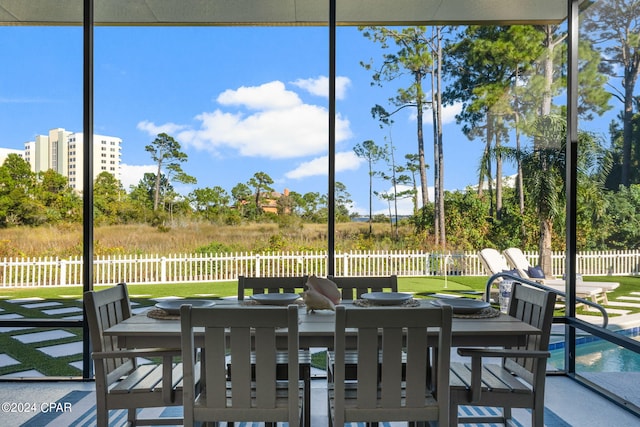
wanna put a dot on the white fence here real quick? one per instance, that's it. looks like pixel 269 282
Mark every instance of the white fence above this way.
pixel 192 268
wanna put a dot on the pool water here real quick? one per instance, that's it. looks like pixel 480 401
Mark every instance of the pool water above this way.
pixel 599 356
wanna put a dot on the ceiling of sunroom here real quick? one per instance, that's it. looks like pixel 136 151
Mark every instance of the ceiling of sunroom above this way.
pixel 283 12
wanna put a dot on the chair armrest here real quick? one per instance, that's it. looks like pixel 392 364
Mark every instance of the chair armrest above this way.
pixel 137 352
pixel 477 354
pixel 501 352
pixel 167 354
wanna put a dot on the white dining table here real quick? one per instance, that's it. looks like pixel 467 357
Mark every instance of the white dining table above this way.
pixel 316 329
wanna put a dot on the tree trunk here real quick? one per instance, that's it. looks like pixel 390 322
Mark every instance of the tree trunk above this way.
pixel 498 178
pixel 545 109
pixel 436 166
pixel 156 190
pixel 546 224
pixel 490 135
pixel 519 183
pixel 439 185
pixel 370 196
pixel 627 131
pixel 423 166
pixel 546 231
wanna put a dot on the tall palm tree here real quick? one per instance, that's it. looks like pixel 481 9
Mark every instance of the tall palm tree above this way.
pixel 544 179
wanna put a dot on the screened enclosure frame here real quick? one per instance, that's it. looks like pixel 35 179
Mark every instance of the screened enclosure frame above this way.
pixel 332 14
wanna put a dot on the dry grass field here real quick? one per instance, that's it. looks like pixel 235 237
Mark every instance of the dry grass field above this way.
pixel 65 241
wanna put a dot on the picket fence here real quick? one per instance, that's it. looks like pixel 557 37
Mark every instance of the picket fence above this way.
pixel 193 268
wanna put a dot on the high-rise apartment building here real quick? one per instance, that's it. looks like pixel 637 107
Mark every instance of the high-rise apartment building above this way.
pixel 4 153
pixel 63 152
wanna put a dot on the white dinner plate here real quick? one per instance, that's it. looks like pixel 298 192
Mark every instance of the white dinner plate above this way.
pixel 275 299
pixel 386 298
pixel 462 305
pixel 173 306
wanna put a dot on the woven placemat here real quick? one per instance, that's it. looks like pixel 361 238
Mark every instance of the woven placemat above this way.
pixel 485 313
pixel 158 313
pixel 366 303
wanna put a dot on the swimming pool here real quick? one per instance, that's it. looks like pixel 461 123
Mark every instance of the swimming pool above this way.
pixel 595 355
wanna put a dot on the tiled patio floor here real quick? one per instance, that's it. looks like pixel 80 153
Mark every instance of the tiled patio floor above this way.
pixel 568 404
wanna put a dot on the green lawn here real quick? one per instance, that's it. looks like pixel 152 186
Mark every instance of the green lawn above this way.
pixel 421 286
pixel 418 285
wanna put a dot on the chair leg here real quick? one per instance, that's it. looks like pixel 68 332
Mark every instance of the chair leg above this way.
pixel 537 417
pixel 306 410
pixel 453 414
pixel 506 413
pixel 131 416
pixel 102 418
pixel 329 413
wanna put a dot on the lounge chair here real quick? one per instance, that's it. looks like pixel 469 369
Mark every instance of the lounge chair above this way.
pixel 495 263
pixel 516 258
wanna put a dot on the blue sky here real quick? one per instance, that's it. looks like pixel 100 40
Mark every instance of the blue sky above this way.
pixel 240 100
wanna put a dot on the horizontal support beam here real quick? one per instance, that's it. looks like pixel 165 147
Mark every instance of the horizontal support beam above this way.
pixel 283 12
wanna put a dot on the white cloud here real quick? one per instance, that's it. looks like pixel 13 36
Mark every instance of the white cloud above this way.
pixel 320 166
pixel 405 205
pixel 132 174
pixel 268 121
pixel 448 114
pixel 153 129
pixel 269 96
pixel 319 86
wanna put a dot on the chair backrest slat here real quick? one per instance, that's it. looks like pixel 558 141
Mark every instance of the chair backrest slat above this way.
pixel 240 353
pixel 391 372
pixel 215 376
pixel 265 339
pixel 416 368
pixel 261 285
pixel 353 287
pixel 367 384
